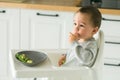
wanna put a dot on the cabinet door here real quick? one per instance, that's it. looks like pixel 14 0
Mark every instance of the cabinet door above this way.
pixel 8 38
pixel 68 27
pixel 110 25
pixel 42 29
pixel 111 73
pixel 111 28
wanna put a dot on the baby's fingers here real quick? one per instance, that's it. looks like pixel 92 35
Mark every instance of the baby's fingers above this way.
pixel 60 63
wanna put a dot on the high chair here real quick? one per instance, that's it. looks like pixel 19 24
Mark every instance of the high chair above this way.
pixel 89 73
pixel 98 64
pixel 49 71
pixel 95 71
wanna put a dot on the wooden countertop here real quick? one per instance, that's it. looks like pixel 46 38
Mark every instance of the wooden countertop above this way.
pixel 52 7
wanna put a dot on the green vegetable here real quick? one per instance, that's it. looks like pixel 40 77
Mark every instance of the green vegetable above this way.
pixel 29 61
pixel 23 58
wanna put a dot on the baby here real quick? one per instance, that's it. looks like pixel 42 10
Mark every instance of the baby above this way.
pixel 87 21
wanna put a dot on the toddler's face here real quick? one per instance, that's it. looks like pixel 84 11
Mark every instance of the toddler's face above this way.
pixel 83 27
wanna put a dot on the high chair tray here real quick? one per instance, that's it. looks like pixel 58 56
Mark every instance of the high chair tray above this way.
pixel 49 68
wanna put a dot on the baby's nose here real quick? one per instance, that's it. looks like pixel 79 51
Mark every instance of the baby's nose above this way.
pixel 76 30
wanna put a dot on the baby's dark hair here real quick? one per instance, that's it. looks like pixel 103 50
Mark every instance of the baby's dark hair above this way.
pixel 94 13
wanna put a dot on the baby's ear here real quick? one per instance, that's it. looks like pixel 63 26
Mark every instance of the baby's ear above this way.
pixel 95 30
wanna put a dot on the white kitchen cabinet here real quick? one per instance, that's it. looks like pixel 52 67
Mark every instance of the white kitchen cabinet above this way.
pixel 111 27
pixel 43 29
pixel 111 73
pixel 9 31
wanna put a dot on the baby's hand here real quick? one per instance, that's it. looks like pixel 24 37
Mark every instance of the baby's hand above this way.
pixel 73 37
pixel 62 60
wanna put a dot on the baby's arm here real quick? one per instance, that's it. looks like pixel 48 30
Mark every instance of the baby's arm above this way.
pixel 62 59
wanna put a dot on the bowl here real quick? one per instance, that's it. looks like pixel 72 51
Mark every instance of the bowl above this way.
pixel 31 58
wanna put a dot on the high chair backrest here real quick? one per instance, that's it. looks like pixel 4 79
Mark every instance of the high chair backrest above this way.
pixel 99 58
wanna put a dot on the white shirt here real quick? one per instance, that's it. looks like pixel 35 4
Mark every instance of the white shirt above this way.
pixel 82 54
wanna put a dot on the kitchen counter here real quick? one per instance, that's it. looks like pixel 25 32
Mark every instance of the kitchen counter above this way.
pixel 47 2
pixel 64 7
pixel 37 6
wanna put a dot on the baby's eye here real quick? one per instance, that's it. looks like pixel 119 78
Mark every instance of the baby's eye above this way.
pixel 81 25
pixel 75 24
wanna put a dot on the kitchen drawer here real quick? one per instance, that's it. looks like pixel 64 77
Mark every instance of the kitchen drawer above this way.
pixel 111 28
pixel 111 73
pixel 111 25
pixel 112 50
pixel 112 39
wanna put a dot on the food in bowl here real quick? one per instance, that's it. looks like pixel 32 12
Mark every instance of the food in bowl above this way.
pixel 31 58
pixel 23 58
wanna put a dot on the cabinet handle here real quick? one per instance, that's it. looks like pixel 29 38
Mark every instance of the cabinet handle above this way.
pixel 105 19
pixel 51 15
pixel 111 64
pixel 2 11
pixel 109 42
